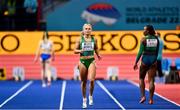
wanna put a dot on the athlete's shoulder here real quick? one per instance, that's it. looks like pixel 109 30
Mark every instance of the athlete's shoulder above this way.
pixel 143 39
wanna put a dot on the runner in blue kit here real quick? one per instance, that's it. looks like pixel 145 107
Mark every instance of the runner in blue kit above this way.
pixel 46 53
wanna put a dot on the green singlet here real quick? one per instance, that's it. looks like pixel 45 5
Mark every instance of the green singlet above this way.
pixel 88 48
pixel 148 49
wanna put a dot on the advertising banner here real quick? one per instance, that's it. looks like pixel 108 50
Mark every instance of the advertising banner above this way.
pixel 109 42
pixel 115 15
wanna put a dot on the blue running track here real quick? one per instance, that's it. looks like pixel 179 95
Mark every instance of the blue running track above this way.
pixel 66 94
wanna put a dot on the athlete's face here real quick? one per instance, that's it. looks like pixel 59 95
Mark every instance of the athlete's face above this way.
pixel 87 29
pixel 145 31
pixel 45 38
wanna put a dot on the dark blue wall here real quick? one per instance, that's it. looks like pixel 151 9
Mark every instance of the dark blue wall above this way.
pixel 128 14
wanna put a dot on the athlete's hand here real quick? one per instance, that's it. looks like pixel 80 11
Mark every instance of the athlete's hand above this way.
pixel 81 51
pixel 99 57
pixel 135 67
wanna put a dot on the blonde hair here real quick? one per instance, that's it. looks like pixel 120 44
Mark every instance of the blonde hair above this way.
pixel 87 24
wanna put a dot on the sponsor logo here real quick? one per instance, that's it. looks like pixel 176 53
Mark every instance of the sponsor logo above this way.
pixel 109 42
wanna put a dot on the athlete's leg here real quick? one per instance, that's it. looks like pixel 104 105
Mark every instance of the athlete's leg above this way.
pixel 142 89
pixel 151 75
pixel 48 72
pixel 92 74
pixel 83 76
pixel 143 70
pixel 160 74
pixel 43 66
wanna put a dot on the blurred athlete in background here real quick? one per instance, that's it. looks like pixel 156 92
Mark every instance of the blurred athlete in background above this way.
pixel 159 58
pixel 46 53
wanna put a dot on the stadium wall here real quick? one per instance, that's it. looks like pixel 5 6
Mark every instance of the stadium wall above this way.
pixel 118 48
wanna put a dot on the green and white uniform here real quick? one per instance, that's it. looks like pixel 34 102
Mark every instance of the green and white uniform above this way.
pixel 87 57
pixel 148 49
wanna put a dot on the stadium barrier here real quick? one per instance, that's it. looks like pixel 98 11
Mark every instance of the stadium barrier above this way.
pixel 2 74
pixel 18 73
pixel 112 73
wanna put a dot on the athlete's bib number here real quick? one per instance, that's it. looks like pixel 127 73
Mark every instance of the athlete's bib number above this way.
pixel 88 46
pixel 151 42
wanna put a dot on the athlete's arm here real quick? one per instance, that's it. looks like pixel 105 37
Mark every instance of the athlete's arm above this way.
pixel 52 51
pixel 37 52
pixel 96 49
pixel 77 47
pixel 141 49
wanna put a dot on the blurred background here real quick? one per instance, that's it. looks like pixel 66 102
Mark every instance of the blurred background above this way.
pixel 60 15
pixel 117 24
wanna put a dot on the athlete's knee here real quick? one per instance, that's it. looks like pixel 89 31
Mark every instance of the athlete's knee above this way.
pixel 83 81
pixel 92 82
pixel 151 85
pixel 142 76
pixel 83 78
pixel 92 79
pixel 141 81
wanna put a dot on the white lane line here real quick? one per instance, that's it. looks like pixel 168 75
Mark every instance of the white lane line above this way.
pixel 136 84
pixel 62 95
pixel 15 94
pixel 115 100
